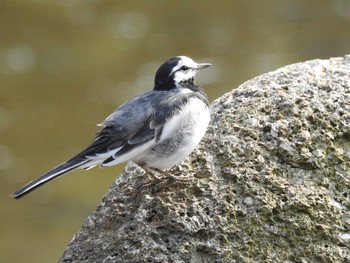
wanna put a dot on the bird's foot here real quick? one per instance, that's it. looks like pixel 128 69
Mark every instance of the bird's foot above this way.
pixel 153 172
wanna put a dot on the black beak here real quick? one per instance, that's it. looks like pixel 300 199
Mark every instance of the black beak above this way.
pixel 202 66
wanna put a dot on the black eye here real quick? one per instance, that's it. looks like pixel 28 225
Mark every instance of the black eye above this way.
pixel 184 68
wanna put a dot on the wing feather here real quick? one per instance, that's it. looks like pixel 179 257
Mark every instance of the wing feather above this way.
pixel 136 123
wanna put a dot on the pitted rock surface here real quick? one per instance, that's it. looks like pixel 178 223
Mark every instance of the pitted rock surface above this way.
pixel 270 182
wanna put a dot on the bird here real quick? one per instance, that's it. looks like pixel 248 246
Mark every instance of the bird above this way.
pixel 156 130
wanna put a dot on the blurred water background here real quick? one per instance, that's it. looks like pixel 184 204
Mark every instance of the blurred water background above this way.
pixel 66 64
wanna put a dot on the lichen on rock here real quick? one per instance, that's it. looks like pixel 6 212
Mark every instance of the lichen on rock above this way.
pixel 270 182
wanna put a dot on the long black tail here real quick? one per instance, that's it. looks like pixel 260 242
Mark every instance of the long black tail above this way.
pixel 56 172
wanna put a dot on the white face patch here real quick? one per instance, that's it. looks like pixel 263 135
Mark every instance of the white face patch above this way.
pixel 180 76
pixel 183 75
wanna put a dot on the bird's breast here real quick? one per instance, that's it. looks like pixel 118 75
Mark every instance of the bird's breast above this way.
pixel 191 121
pixel 180 135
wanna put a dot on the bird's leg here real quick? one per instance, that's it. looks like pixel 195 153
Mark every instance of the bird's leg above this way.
pixel 152 172
pixel 177 178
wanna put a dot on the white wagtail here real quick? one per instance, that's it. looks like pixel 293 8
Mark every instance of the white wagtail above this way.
pixel 156 130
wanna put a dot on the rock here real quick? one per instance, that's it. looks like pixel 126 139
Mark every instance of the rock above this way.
pixel 270 182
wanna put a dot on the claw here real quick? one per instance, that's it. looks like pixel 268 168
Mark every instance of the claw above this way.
pixel 166 175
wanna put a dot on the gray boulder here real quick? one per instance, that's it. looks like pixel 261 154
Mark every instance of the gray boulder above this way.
pixel 270 182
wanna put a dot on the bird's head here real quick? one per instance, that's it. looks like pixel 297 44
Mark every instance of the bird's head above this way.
pixel 177 72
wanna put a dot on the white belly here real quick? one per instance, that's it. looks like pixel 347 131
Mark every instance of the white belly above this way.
pixel 192 123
